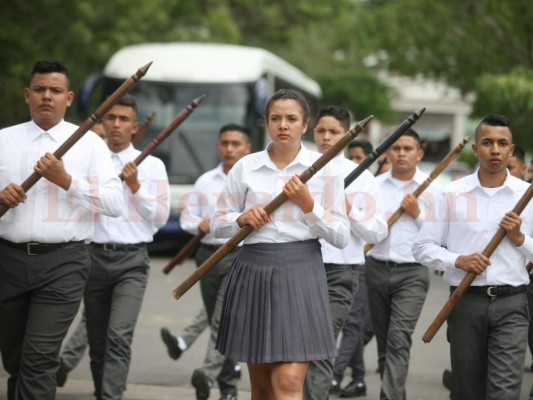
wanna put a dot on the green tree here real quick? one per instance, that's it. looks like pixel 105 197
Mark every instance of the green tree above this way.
pixel 466 43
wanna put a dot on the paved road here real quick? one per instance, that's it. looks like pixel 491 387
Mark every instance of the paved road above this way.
pixel 154 376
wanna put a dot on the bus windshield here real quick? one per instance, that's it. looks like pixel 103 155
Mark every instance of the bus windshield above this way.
pixel 191 149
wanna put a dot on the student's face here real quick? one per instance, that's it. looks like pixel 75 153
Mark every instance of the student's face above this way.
pixel 530 172
pixel 232 146
pixel 120 123
pixel 516 167
pixel 285 122
pixel 404 155
pixel 48 98
pixel 327 132
pixel 493 147
pixel 356 154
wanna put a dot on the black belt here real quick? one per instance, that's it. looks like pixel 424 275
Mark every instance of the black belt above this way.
pixel 392 263
pixel 35 248
pixel 495 290
pixel 118 246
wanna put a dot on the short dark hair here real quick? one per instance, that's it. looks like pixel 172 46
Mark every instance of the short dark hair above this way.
pixel 412 133
pixel 364 144
pixel 289 94
pixel 519 154
pixel 339 113
pixel 235 127
pixel 47 67
pixel 493 120
pixel 127 101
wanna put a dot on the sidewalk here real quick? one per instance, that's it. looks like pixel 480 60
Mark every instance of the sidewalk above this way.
pixel 77 389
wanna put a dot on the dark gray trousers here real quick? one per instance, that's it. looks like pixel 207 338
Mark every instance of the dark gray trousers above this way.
pixel 113 299
pixel 213 287
pixel 76 345
pixel 350 351
pixel 39 298
pixel 396 296
pixel 342 286
pixel 488 340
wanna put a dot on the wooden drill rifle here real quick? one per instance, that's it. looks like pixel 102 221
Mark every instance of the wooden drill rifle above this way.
pixel 269 208
pixel 469 277
pixel 432 176
pixel 85 127
pixel 142 129
pixel 182 115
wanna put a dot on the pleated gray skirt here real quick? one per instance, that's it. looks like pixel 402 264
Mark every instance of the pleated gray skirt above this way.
pixel 276 306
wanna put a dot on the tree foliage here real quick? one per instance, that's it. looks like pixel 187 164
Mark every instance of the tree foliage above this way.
pixel 474 45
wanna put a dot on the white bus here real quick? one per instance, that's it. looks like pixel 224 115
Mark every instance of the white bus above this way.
pixel 236 80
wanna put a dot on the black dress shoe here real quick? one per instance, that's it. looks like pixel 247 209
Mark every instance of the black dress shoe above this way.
pixel 334 388
pixel 202 384
pixel 228 396
pixel 171 342
pixel 353 389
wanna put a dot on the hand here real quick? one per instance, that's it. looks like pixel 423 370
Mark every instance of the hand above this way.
pixel 256 217
pixel 511 223
pixel 129 172
pixel 297 192
pixel 51 168
pixel 410 206
pixel 204 226
pixel 476 263
pixel 12 195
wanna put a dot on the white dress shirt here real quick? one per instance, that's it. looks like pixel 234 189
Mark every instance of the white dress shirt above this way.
pixel 145 211
pixel 467 217
pixel 51 214
pixel 201 203
pixel 255 180
pixel 366 216
pixel 397 246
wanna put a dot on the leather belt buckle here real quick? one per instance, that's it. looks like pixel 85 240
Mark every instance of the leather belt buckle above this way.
pixel 28 248
pixel 110 246
pixel 489 291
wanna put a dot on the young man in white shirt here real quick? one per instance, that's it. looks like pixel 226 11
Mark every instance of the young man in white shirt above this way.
pixel 488 327
pixel 119 259
pixel 45 263
pixel 365 210
pixel 233 144
pixel 397 284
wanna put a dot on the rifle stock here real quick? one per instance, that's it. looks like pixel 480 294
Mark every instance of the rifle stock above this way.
pixel 183 253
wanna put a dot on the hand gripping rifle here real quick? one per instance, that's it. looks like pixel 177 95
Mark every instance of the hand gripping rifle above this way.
pixel 182 115
pixel 432 176
pixel 269 208
pixel 86 126
pixel 189 247
pixel 469 277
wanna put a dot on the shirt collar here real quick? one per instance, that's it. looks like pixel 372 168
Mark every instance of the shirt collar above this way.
pixel 219 171
pixel 471 182
pixel 126 155
pixel 419 177
pixel 54 132
pixel 304 157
